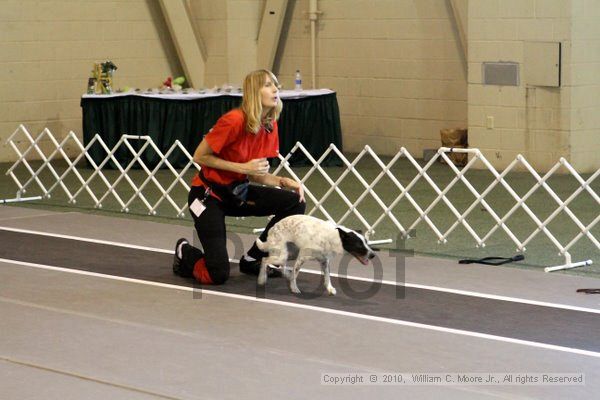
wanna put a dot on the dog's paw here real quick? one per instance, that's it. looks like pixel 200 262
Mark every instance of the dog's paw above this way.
pixel 294 288
pixel 331 290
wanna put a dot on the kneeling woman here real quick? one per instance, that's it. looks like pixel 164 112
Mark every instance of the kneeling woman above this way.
pixel 234 152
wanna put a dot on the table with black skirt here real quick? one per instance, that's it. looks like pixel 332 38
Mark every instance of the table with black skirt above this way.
pixel 310 117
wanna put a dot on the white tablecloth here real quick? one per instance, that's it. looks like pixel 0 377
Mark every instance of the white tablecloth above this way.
pixel 200 94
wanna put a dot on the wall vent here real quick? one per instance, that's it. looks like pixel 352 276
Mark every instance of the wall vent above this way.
pixel 501 73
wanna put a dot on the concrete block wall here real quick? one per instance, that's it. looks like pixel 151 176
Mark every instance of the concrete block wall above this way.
pixel 47 49
pixel 585 91
pixel 526 120
pixel 396 65
pixel 229 30
pixel 542 123
pixel 243 23
pixel 210 20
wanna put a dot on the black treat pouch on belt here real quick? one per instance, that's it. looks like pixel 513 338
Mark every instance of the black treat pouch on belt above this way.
pixel 234 194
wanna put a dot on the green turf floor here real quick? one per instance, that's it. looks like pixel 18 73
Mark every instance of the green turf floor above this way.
pixel 540 252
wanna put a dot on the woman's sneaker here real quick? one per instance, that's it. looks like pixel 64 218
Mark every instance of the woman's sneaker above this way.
pixel 253 268
pixel 179 267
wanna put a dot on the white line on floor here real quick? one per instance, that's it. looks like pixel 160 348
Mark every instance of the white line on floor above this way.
pixel 314 308
pixel 89 240
pixel 466 293
pixel 350 277
pixel 36 216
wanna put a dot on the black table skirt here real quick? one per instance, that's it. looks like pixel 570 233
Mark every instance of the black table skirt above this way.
pixel 314 121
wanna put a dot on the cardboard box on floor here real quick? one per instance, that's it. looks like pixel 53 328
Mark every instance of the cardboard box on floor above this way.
pixel 457 137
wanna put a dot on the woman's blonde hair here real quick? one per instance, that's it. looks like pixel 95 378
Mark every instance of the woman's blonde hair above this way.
pixel 252 104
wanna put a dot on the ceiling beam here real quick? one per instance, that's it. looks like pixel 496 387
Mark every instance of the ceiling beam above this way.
pixel 270 32
pixel 185 41
pixel 460 11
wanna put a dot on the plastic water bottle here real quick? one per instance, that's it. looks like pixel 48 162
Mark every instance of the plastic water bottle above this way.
pixel 298 81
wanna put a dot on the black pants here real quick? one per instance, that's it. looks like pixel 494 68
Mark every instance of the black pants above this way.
pixel 210 225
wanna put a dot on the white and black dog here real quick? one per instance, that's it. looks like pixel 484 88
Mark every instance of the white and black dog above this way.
pixel 315 239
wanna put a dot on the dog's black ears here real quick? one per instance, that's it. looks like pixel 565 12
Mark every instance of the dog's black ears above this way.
pixel 355 230
pixel 346 231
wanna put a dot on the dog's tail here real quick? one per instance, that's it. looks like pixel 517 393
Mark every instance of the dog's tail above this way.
pixel 261 245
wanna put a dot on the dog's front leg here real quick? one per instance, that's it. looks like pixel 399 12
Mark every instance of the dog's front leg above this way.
pixel 326 278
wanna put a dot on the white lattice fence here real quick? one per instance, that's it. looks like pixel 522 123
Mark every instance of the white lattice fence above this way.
pixel 22 138
pixel 85 184
pixel 441 196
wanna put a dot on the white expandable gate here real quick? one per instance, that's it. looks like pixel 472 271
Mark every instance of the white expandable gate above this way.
pixel 58 153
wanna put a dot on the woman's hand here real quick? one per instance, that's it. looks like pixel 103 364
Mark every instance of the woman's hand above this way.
pixel 257 166
pixel 292 184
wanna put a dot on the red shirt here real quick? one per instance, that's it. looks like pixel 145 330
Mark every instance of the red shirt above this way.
pixel 229 140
